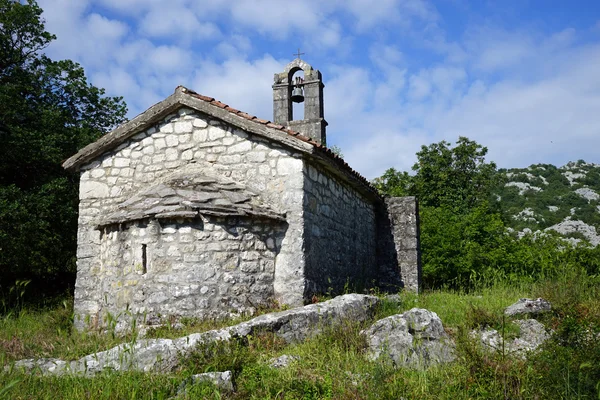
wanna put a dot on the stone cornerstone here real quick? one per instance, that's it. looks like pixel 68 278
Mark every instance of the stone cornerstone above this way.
pixel 196 209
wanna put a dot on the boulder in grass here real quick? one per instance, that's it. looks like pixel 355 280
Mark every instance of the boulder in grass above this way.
pixel 533 335
pixel 413 339
pixel 528 306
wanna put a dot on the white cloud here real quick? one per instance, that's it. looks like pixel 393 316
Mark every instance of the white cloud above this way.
pixel 245 85
pixel 529 96
pixel 170 58
pixel 176 21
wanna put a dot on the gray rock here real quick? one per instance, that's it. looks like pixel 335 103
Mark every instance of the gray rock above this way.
pixel 222 380
pixel 533 334
pixel 568 226
pixel 413 339
pixel 51 365
pixel 299 323
pixel 282 361
pixel 163 355
pixel 528 306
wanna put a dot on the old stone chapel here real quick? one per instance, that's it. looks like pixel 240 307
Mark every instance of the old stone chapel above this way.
pixel 196 209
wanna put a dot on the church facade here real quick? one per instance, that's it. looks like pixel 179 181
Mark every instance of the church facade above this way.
pixel 196 209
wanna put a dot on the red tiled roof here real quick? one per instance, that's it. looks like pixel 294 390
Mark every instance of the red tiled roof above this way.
pixel 340 161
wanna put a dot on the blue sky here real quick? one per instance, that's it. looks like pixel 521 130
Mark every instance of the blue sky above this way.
pixel 520 77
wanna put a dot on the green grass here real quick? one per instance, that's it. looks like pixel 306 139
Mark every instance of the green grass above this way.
pixel 332 365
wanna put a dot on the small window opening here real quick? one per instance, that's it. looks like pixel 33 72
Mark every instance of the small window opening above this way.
pixel 144 259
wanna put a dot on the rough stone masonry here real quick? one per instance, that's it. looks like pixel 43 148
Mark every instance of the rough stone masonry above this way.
pixel 196 209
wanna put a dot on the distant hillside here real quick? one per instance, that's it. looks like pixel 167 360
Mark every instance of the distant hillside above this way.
pixel 543 197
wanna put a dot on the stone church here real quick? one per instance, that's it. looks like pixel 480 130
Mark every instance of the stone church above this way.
pixel 196 209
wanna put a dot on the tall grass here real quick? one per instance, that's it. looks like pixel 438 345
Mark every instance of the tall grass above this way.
pixel 333 366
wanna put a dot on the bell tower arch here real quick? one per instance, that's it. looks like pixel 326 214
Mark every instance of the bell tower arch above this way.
pixel 309 90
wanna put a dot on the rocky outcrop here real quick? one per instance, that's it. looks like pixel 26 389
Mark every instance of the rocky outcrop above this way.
pixel 528 306
pixel 414 339
pixel 569 226
pixel 161 355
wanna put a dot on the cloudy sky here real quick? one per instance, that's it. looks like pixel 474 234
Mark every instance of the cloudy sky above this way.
pixel 521 77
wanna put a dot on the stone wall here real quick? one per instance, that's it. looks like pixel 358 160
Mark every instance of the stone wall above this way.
pixel 398 244
pixel 209 267
pixel 340 234
pixel 178 140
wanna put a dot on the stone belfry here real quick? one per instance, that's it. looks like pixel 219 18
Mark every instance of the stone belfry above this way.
pixel 309 90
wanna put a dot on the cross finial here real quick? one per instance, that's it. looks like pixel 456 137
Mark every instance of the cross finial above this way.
pixel 298 54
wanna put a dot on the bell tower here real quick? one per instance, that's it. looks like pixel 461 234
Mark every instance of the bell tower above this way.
pixel 308 90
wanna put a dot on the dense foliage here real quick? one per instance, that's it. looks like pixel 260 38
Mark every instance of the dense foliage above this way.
pixel 48 111
pixel 461 231
pixel 468 210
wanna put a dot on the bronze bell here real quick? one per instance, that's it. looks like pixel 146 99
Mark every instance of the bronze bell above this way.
pixel 297 95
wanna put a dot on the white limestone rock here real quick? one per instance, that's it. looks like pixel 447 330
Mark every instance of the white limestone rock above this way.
pixel 572 177
pixel 222 380
pixel 569 226
pixel 587 194
pixel 533 334
pixel 528 306
pixel 524 187
pixel 526 215
pixel 413 339
pixel 282 361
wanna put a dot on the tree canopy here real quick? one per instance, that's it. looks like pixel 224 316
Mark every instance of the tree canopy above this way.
pixel 460 229
pixel 48 111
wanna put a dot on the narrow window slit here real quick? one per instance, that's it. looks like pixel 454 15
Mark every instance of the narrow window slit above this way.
pixel 144 259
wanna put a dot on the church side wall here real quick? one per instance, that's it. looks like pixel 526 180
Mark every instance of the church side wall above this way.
pixel 180 139
pixel 340 234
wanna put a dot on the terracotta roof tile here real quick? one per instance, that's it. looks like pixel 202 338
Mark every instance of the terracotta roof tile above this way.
pixel 219 104
pixel 205 98
pixel 275 126
pixel 233 110
pixel 338 160
pixel 246 115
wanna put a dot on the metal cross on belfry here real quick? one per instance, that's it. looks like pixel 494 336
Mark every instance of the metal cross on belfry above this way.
pixel 298 54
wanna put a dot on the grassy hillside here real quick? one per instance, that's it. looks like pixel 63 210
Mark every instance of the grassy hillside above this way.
pixel 544 197
pixel 332 365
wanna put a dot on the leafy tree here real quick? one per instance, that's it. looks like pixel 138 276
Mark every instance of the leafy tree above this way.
pixel 460 227
pixel 48 111
pixel 455 177
pixel 394 183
